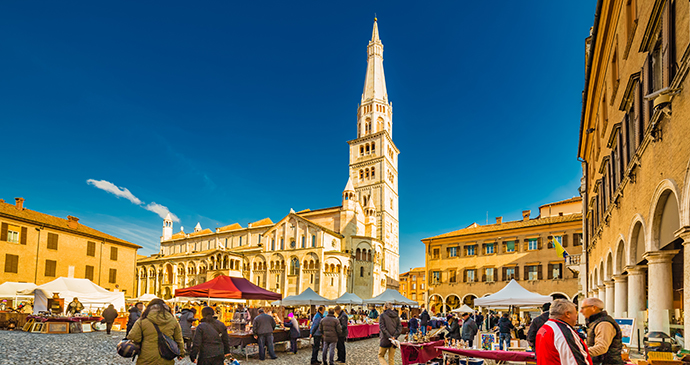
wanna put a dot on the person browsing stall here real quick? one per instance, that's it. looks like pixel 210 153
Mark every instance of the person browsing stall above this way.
pixel 604 336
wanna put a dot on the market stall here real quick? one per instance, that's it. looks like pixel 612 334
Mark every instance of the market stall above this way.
pixel 364 330
pixel 420 353
pixel 391 296
pixel 307 297
pixel 513 294
pixel 463 309
pixel 228 287
pixel 92 296
pixel 349 299
pixel 453 355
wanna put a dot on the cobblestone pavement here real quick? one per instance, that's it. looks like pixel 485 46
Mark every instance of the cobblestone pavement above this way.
pixel 97 348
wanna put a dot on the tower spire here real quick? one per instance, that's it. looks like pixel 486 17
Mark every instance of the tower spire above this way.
pixel 375 81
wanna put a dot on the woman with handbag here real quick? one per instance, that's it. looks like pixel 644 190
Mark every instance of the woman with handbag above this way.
pixel 145 332
pixel 211 342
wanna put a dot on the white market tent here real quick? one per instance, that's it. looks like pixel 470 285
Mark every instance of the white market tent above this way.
pixel 307 297
pixel 464 309
pixel 349 298
pixel 513 294
pixel 144 298
pixel 10 290
pixel 391 296
pixel 89 294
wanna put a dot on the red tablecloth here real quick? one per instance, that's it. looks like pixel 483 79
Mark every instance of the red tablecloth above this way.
pixel 492 355
pixel 362 330
pixel 413 353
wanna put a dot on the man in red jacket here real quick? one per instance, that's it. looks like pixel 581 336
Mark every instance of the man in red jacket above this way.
pixel 557 342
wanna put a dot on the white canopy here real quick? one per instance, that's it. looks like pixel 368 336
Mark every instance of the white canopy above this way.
pixel 513 294
pixel 10 289
pixel 392 296
pixel 89 294
pixel 349 298
pixel 307 297
pixel 144 298
pixel 464 309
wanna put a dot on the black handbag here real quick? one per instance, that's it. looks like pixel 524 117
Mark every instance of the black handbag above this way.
pixel 167 347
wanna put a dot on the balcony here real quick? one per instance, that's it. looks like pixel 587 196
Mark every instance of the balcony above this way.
pixel 572 262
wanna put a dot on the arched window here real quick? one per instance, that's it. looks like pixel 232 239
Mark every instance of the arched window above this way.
pixel 304 242
pixel 368 255
pixel 312 265
pixel 373 147
pixel 358 255
pixel 294 266
pixel 361 174
pixel 282 243
pixel 361 150
pixel 373 172
pixel 361 271
pixel 366 148
pixel 366 173
pixel 273 244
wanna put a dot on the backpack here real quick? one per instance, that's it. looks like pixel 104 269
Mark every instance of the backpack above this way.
pixel 167 347
pixel 127 348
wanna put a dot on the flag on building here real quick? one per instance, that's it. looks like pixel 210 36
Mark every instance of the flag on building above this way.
pixel 559 248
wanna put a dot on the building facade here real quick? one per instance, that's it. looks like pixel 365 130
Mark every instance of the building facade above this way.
pixel 476 261
pixel 38 248
pixel 413 284
pixel 636 162
pixel 352 247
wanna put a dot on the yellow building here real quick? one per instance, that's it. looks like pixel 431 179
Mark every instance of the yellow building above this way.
pixel 479 260
pixel 636 158
pixel 413 284
pixel 38 248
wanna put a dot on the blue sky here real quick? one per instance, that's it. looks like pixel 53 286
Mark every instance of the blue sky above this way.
pixel 226 112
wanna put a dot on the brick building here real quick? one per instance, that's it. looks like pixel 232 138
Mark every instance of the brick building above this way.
pixel 636 161
pixel 38 248
pixel 413 284
pixel 479 260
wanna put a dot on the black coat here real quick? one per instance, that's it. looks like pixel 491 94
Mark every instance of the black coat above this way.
pixel 534 328
pixel 469 329
pixel 109 314
pixel 186 320
pixel 134 314
pixel 454 330
pixel 330 329
pixel 263 324
pixel 505 325
pixel 424 318
pixel 389 327
pixel 344 320
pixel 210 340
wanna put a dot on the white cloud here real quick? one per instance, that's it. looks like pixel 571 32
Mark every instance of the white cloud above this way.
pixel 161 210
pixel 120 192
pixel 113 189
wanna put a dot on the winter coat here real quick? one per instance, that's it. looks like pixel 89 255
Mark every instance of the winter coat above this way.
pixel 210 340
pixel 144 333
pixel 389 327
pixel 374 314
pixel 454 330
pixel 413 324
pixel 314 330
pixel 424 318
pixel 134 314
pixel 505 325
pixel 330 329
pixel 263 324
pixel 469 329
pixel 534 328
pixel 293 325
pixel 344 320
pixel 109 314
pixel 186 320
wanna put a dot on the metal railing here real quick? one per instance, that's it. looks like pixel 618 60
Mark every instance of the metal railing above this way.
pixel 573 259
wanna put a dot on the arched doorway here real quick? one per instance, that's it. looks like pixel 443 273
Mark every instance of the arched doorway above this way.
pixel 435 303
pixel 452 302
pixel 469 300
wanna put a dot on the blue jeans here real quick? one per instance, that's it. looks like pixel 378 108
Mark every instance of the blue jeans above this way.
pixel 330 348
pixel 504 337
pixel 423 328
pixel 266 341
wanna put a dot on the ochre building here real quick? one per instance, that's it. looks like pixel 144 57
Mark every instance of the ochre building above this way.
pixel 480 260
pixel 352 247
pixel 636 162
pixel 38 248
pixel 413 284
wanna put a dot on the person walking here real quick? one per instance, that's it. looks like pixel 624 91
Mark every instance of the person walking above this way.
pixel 505 325
pixel 479 320
pixel 330 331
pixel 109 315
pixel 604 336
pixel 389 329
pixel 557 342
pixel 424 319
pixel 211 342
pixel 413 324
pixel 536 325
pixel 344 320
pixel 293 325
pixel 144 332
pixel 263 327
pixel 186 321
pixel 134 314
pixel 469 329
pixel 315 333
pixel 453 328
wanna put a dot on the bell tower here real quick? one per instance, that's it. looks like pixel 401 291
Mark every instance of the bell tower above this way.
pixel 374 156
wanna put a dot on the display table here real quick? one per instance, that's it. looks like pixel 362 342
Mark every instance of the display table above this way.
pixel 355 331
pixel 420 353
pixel 498 355
pixel 18 318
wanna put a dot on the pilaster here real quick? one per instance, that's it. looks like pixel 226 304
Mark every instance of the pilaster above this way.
pixel 621 300
pixel 660 288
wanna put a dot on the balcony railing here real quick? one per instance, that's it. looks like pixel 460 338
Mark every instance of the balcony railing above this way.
pixel 573 260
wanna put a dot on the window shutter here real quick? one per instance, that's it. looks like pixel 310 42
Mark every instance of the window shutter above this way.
pixel 526 272
pixel 539 243
pixel 636 127
pixel 504 247
pixel 526 245
pixel 504 275
pixel 484 275
pixel 539 273
pixel 3 233
pixel 667 62
pixel 517 272
pixel 464 276
pixel 564 240
pixel 549 273
pixel 23 237
pixel 646 89
pixel 625 153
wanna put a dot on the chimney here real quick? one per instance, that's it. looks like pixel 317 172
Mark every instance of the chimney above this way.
pixel 499 220
pixel 2 200
pixel 72 222
pixel 19 203
pixel 525 215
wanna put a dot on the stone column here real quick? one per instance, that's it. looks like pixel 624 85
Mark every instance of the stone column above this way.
pixel 621 288
pixel 602 292
pixel 610 297
pixel 660 288
pixel 684 233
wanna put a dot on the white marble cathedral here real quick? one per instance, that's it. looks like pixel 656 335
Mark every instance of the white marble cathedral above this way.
pixel 348 248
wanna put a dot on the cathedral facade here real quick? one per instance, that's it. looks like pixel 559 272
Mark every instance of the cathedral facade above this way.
pixel 352 247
